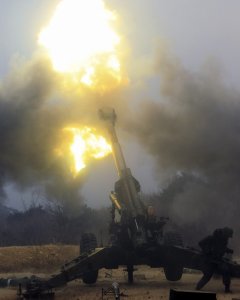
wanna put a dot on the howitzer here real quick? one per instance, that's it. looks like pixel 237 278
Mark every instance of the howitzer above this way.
pixel 133 223
pixel 137 236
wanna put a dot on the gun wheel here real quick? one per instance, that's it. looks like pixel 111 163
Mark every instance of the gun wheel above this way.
pixel 173 271
pixel 90 277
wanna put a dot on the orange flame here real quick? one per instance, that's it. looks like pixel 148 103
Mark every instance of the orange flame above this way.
pixel 81 42
pixel 85 145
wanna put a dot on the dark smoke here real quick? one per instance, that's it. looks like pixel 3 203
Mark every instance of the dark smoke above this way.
pixel 34 108
pixel 28 126
pixel 24 126
pixel 194 127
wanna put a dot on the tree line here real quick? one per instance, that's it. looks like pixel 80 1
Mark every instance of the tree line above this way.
pixel 38 225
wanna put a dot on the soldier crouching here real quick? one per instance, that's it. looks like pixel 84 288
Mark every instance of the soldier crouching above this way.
pixel 214 247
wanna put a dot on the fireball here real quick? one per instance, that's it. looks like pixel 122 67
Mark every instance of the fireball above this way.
pixel 83 46
pixel 85 145
pixel 81 42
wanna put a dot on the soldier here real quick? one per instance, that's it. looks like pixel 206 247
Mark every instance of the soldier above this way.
pixel 214 247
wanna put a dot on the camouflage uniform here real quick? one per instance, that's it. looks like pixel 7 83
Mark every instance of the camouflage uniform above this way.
pixel 214 247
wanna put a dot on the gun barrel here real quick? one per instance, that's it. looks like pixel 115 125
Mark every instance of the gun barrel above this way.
pixel 109 116
pixel 131 199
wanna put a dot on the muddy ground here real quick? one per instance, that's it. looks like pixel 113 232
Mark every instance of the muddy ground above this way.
pixel 149 283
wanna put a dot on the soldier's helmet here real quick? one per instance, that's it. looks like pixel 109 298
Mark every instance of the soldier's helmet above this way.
pixel 225 232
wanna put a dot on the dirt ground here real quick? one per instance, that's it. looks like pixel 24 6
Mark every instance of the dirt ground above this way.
pixel 47 258
pixel 149 283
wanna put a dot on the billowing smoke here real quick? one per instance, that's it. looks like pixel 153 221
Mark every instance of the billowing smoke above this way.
pixel 27 127
pixel 194 127
pixel 35 106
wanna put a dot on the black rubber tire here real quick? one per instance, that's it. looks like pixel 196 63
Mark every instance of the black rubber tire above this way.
pixel 90 277
pixel 88 243
pixel 173 271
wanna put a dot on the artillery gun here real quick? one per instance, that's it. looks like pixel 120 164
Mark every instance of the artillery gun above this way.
pixel 137 236
pixel 134 227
